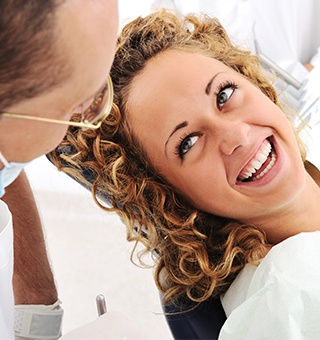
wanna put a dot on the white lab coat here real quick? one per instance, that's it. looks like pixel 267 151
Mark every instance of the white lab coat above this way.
pixel 6 271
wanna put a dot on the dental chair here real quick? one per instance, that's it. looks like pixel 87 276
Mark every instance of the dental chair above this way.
pixel 202 321
pixel 303 96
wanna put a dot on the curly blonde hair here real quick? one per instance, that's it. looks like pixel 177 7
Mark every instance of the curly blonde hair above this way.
pixel 197 254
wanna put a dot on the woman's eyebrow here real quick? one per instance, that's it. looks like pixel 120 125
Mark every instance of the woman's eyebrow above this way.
pixel 178 127
pixel 185 123
pixel 209 85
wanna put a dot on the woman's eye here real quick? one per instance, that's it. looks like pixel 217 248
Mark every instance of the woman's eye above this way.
pixel 186 144
pixel 224 95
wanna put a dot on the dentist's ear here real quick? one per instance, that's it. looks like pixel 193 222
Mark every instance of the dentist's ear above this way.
pixel 112 325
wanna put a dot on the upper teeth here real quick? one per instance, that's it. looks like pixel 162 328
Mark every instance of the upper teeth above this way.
pixel 256 162
pixel 268 167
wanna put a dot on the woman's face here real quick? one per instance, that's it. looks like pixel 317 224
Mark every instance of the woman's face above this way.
pixel 215 137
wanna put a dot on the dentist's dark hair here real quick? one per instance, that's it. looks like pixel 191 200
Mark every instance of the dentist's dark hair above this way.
pixel 30 62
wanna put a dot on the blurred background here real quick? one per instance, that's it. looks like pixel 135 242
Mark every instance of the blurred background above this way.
pixel 90 255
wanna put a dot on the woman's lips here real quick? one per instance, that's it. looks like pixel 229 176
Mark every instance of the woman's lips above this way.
pixel 260 164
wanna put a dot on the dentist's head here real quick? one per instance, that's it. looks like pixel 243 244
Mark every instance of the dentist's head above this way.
pixel 55 58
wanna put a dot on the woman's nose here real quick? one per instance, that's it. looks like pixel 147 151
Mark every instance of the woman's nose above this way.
pixel 232 135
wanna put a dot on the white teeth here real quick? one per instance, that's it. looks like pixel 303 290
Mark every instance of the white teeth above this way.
pixel 262 157
pixel 256 164
pixel 268 167
pixel 257 161
pixel 267 146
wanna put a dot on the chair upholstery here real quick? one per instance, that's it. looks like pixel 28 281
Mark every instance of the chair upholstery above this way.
pixel 201 322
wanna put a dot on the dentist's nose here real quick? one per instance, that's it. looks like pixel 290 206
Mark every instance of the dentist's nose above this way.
pixel 232 135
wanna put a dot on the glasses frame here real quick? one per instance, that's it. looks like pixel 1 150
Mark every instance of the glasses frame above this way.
pixel 94 124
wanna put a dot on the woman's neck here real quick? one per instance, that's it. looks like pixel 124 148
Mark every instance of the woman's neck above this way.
pixel 302 215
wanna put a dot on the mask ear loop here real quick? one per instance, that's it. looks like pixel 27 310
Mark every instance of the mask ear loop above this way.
pixel 3 160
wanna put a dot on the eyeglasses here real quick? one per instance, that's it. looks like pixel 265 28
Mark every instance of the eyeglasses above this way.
pixel 91 118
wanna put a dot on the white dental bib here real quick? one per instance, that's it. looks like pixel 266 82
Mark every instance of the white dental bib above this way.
pixel 279 299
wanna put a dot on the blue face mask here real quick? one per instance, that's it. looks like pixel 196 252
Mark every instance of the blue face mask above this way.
pixel 9 173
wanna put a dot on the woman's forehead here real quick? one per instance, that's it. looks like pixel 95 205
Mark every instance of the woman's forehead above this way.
pixel 172 75
pixel 173 67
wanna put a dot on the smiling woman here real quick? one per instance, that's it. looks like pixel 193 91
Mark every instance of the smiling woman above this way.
pixel 215 127
pixel 198 158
